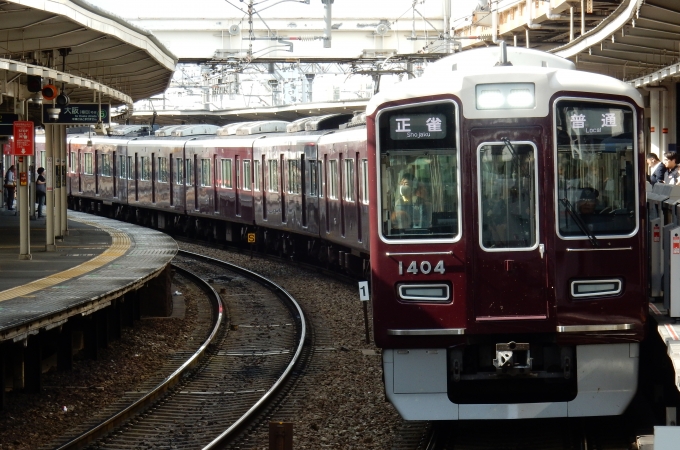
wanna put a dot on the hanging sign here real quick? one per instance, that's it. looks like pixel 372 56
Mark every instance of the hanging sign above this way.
pixel 23 138
pixel 78 113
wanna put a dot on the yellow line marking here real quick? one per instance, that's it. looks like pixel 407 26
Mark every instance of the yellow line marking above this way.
pixel 120 244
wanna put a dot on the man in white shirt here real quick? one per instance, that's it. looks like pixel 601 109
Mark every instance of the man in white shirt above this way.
pixel 657 169
pixel 670 160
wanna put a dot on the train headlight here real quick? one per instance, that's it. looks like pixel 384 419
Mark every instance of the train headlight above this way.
pixel 520 98
pixel 490 99
pixel 505 96
pixel 595 288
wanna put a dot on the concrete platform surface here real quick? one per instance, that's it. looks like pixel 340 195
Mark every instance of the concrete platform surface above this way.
pixel 99 260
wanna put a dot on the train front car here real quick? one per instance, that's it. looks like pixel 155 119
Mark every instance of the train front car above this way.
pixel 505 236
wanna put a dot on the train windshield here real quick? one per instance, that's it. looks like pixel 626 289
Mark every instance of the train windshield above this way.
pixel 418 160
pixel 595 169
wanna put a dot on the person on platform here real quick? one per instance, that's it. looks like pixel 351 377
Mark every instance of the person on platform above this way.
pixel 10 187
pixel 656 167
pixel 670 160
pixel 40 190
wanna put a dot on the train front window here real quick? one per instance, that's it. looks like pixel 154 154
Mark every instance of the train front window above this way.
pixel 507 196
pixel 418 164
pixel 595 169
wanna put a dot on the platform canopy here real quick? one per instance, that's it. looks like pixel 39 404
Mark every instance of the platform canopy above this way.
pixel 104 53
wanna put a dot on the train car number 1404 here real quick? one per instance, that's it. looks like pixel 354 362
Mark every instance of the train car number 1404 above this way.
pixel 424 267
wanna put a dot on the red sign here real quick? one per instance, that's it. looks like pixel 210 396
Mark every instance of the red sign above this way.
pixel 23 179
pixel 657 234
pixel 23 138
pixel 676 245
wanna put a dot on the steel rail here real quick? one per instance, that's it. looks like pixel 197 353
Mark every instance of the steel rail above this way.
pixel 230 432
pixel 170 381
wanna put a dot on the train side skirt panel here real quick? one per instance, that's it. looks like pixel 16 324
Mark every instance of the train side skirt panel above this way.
pixel 416 379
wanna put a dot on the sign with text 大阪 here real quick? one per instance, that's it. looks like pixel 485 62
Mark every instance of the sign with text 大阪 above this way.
pixel 78 113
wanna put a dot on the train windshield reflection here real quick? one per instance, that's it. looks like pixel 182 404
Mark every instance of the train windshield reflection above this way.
pixel 419 194
pixel 595 168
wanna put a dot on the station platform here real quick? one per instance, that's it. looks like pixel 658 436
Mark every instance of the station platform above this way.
pixel 669 331
pixel 99 260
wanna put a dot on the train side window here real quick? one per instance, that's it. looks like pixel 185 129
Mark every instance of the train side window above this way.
pixel 179 174
pixel 364 181
pixel 162 169
pixel 319 165
pixel 313 178
pixel 88 169
pixel 293 176
pixel 273 173
pixel 73 163
pixel 144 163
pixel 348 180
pixel 246 175
pixel 256 175
pixel 226 173
pixel 333 179
pixel 106 165
pixel 130 168
pixel 190 171
pixel 205 172
pixel 122 168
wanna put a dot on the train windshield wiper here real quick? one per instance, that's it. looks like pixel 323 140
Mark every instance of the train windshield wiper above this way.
pixel 579 222
pixel 508 144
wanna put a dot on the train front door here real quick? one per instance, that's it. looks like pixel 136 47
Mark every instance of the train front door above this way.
pixel 509 265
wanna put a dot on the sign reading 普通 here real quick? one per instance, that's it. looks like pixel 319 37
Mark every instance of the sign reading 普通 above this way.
pixel 418 126
pixel 80 113
pixel 23 138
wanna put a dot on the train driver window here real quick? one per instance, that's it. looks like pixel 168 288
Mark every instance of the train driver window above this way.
pixel 595 169
pixel 418 168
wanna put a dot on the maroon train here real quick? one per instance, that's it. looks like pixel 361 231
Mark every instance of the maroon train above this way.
pixel 505 210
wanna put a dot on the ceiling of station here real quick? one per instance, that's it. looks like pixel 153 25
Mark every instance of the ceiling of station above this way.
pixel 644 38
pixel 105 51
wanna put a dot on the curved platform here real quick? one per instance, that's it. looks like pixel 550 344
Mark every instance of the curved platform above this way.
pixel 100 260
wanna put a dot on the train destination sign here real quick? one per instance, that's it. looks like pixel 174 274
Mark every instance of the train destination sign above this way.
pixel 417 126
pixel 596 121
pixel 78 113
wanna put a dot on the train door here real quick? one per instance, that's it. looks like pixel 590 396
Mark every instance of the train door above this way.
pixel 194 177
pixel 171 182
pixel 80 178
pixel 136 177
pixel 237 185
pixel 96 171
pixel 114 175
pixel 154 178
pixel 509 270
pixel 283 188
pixel 303 189
pixel 265 186
pixel 357 197
pixel 342 193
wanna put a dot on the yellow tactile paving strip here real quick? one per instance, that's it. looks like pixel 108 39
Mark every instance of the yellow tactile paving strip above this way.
pixel 120 244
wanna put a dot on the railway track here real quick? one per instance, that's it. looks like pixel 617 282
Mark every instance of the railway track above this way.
pixel 248 356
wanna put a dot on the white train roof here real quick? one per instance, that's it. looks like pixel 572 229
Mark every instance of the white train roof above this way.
pixel 459 74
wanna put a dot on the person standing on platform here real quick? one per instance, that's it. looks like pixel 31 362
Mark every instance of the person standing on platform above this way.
pixel 40 190
pixel 10 187
pixel 657 169
pixel 670 160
